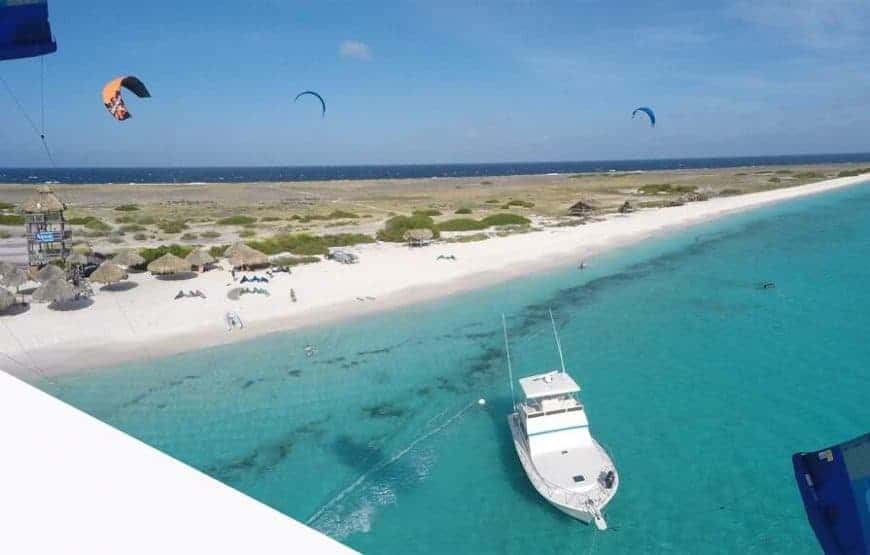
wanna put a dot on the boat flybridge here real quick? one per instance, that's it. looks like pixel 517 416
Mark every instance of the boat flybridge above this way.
pixel 565 464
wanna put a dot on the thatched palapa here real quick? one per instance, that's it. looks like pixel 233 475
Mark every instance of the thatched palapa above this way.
pixel 169 264
pixel 128 258
pixel 199 258
pixel 54 291
pixel 7 299
pixel 43 201
pixel 49 272
pixel 108 273
pixel 581 208
pixel 241 255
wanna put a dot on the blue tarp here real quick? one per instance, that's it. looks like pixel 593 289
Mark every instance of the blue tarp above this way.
pixel 24 29
pixel 835 486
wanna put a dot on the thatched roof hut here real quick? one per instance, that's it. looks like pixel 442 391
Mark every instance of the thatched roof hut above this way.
pixel 14 278
pixel 7 299
pixel 418 237
pixel 6 268
pixel 199 258
pixel 169 264
pixel 241 255
pixel 44 200
pixel 76 259
pixel 48 273
pixel 54 291
pixel 128 258
pixel 108 273
pixel 581 208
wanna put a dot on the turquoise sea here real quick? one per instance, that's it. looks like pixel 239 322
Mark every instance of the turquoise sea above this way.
pixel 699 382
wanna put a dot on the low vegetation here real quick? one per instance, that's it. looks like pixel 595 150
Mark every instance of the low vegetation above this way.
pixel 245 233
pixel 91 223
pixel 209 234
pixel 808 175
pixel 189 237
pixel 4 234
pixel 172 226
pixel 853 173
pixel 6 206
pixel 308 245
pixel 127 208
pixel 11 219
pixel 131 228
pixel 147 220
pixel 427 212
pixel 469 224
pixel 774 180
pixel 270 219
pixel 395 228
pixel 730 192
pixel 295 260
pixel 236 220
pixel 665 188
pixel 463 211
pixel 152 254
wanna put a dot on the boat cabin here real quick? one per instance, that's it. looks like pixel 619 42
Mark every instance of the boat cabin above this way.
pixel 551 415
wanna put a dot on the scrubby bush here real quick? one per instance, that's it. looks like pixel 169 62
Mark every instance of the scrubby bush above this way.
pixel 127 208
pixel 427 212
pixel 217 251
pixel 140 236
pixel 209 234
pixel 295 260
pixel 463 211
pixel 774 180
pixel 6 206
pixel 807 175
pixel 395 228
pixel 130 228
pixel 505 219
pixel 305 244
pixel 656 188
pixel 11 219
pixel 172 226
pixel 236 220
pixel 521 203
pixel 152 254
pixel 462 224
pixel 147 220
pixel 247 233
pixel 270 219
pixel 188 237
pixel 90 222
pixel 853 173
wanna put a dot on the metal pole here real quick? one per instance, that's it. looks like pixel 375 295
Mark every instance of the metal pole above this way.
pixel 507 350
pixel 558 343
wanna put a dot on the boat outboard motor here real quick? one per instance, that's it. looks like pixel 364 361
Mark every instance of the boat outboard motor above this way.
pixel 609 478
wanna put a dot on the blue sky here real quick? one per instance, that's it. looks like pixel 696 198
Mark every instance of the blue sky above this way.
pixel 413 82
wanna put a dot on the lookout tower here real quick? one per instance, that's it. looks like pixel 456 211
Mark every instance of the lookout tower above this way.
pixel 48 238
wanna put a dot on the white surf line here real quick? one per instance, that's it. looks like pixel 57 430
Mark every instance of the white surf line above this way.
pixel 377 468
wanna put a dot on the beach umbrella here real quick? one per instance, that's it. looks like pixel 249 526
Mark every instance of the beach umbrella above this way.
pixel 199 258
pixel 16 278
pixel 54 291
pixel 108 273
pixel 241 255
pixel 7 299
pixel 49 272
pixel 77 259
pixel 128 258
pixel 169 264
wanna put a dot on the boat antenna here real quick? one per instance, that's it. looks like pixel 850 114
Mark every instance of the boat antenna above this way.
pixel 507 350
pixel 558 343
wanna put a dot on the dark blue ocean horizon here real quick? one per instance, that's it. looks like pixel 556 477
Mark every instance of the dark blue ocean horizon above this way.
pixel 266 174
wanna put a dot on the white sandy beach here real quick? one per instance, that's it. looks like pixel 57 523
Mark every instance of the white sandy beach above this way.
pixel 146 322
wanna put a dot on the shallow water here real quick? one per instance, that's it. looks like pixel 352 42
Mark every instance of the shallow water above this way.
pixel 700 383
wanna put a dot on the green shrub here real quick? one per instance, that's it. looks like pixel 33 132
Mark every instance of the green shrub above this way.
pixel 6 206
pixel 522 203
pixel 152 254
pixel 124 219
pixel 188 237
pixel 656 188
pixel 505 219
pixel 130 228
pixel 334 215
pixel 90 222
pixel 305 244
pixel 463 211
pixel 11 219
pixel 395 228
pixel 486 182
pixel 784 172
pixel 493 201
pixel 427 212
pixel 462 224
pixel 295 260
pixel 247 233
pixel 853 173
pixel 140 236
pixel 4 234
pixel 147 220
pixel 115 240
pixel 127 208
pixel 270 219
pixel 236 220
pixel 807 175
pixel 209 234
pixel 730 192
pixel 172 226
pixel 774 180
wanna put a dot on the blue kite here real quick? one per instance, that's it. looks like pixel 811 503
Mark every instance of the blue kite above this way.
pixel 314 94
pixel 24 29
pixel 648 112
pixel 835 487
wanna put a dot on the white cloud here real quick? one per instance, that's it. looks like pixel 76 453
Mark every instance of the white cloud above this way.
pixel 355 50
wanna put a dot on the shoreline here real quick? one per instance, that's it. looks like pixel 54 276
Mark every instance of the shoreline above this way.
pixel 128 326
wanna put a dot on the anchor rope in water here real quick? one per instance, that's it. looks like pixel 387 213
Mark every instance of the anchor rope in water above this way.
pixel 378 467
